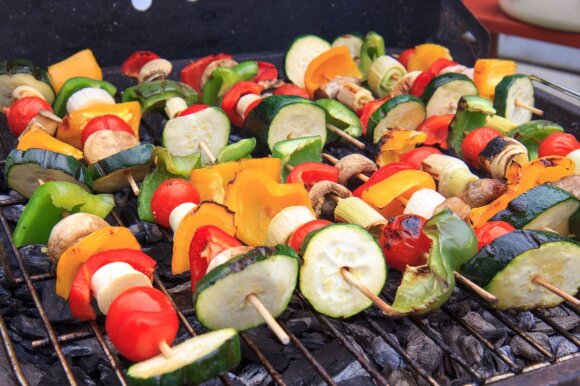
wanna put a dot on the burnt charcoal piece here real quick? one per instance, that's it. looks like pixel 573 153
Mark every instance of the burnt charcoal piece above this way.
pixel 362 335
pixel 83 348
pixel 8 305
pixel 55 376
pixel 314 340
pixel 523 349
pixel 566 322
pixel 13 212
pixel 146 233
pixel 385 355
pixel 255 375
pixel 485 328
pixel 524 320
pixel 300 325
pixel 270 347
pixel 57 309
pixel 35 260
pixel 424 350
pixel 161 252
pixel 500 365
pixel 107 376
pixel 401 378
pixel 29 327
pixel 566 347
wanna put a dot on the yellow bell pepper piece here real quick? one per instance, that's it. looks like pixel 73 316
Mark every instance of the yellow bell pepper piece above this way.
pixel 101 240
pixel 425 55
pixel 72 126
pixel 256 198
pixel 83 63
pixel 330 64
pixel 37 138
pixel 487 73
pixel 396 142
pixel 207 213
pixel 520 179
pixel 389 196
pixel 211 182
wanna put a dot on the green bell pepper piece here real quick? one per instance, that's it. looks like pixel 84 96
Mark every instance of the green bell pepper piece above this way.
pixel 426 288
pixel 222 79
pixel 153 95
pixel 532 133
pixel 167 167
pixel 296 151
pixel 472 112
pixel 236 151
pixel 46 206
pixel 340 116
pixel 76 84
pixel 372 48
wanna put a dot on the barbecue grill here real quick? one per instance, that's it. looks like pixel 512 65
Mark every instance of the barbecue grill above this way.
pixel 465 342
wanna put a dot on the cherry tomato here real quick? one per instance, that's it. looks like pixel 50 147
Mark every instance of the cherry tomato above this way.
pixel 440 64
pixel 169 195
pixel 104 122
pixel 310 173
pixel 474 143
pixel 297 238
pixel 437 129
pixel 405 56
pixel 421 83
pixel 20 113
pixel 382 174
pixel 404 243
pixel 132 66
pixel 192 110
pixel 291 89
pixel 491 231
pixel 191 74
pixel 266 71
pixel 138 320
pixel 558 144
pixel 208 241
pixel 416 156
pixel 367 111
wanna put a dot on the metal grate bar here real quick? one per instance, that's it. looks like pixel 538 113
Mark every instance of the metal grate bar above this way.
pixel 112 360
pixel 557 327
pixel 267 365
pixel 63 338
pixel 11 354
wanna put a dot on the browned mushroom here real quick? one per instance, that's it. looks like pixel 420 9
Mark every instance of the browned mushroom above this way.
pixel 457 206
pixel 324 196
pixel 352 165
pixel 70 230
pixel 157 69
pixel 330 89
pixel 483 191
pixel 571 184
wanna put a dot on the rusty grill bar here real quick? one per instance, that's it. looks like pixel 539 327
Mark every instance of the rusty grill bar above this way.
pixel 92 329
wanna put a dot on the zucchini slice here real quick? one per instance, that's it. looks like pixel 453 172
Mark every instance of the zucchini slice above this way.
pixel 340 116
pixel 511 88
pixel 25 168
pixel 329 250
pixel 507 266
pixel 194 361
pixel 295 151
pixel 532 133
pixel 299 55
pixel 541 208
pixel 353 42
pixel 182 135
pixel 269 273
pixel 22 72
pixel 110 174
pixel 403 111
pixel 280 117
pixel 442 94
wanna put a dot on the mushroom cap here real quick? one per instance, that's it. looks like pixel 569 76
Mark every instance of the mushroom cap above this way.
pixel 352 165
pixel 70 230
pixel 323 195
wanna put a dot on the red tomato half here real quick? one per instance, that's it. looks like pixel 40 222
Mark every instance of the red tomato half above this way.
pixel 404 243
pixel 291 89
pixel 491 231
pixel 437 129
pixel 416 156
pixel 104 122
pixel 138 320
pixel 297 238
pixel 169 195
pixel 474 143
pixel 20 113
pixel 558 144
pixel 405 56
pixel 132 66
pixel 310 173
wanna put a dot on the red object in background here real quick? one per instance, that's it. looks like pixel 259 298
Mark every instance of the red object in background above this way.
pixel 437 129
pixel 558 144
pixel 139 319
pixel 291 89
pixel 232 97
pixel 415 157
pixel 367 111
pixel 191 74
pixel 405 56
pixel 420 83
pixel 299 235
pixel 491 231
pixel 266 71
pixel 169 195
pixel 22 111
pixel 192 110
pixel 104 122
pixel 404 243
pixel 310 173
pixel 133 64
pixel 381 174
pixel 474 143
pixel 440 64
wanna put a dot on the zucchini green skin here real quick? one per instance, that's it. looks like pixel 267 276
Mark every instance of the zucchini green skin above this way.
pixel 153 95
pixel 75 84
pixel 48 160
pixel 138 155
pixel 575 225
pixel 26 67
pixel 472 112
pixel 226 356
pixel 439 81
pixel 382 112
pixel 500 98
pixel 532 133
pixel 523 209
pixel 495 256
pixel 340 116
pixel 296 151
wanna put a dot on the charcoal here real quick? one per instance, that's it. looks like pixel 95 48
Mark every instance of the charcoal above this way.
pixel 270 347
pixel 29 327
pixel 361 335
pixel 524 320
pixel 14 194
pixel 401 378
pixel 5 372
pixel 523 349
pixel 485 328
pixel 461 308
pixel 13 212
pixel 566 347
pixel 385 355
pixel 55 376
pixel 359 380
pixel 35 260
pixel 471 349
pixel 555 312
pixel 314 340
pixel 501 366
pixel 161 252
pixel 421 348
pixel 567 322
pixel 255 375
pixel 33 374
pixel 8 305
pixel 555 342
pixel 109 378
pixel 57 309
pixel 82 348
pixel 89 363
pixel 300 325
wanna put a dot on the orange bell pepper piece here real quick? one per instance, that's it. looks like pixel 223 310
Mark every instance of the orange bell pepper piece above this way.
pixel 211 182
pixel 207 213
pixel 335 62
pixel 37 138
pixel 72 126
pixel 396 142
pixel 256 198
pixel 83 63
pixel 71 260
pixel 520 179
pixel 425 55
pixel 487 73
pixel 389 196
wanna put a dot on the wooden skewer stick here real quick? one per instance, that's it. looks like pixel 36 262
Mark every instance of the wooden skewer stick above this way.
pixel 539 280
pixel 132 183
pixel 355 282
pixel 524 105
pixel 269 319
pixel 207 151
pixel 475 288
pixel 40 182
pixel 165 349
pixel 345 136
pixel 289 167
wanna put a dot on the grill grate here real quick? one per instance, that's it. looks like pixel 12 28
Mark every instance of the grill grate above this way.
pixel 329 326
